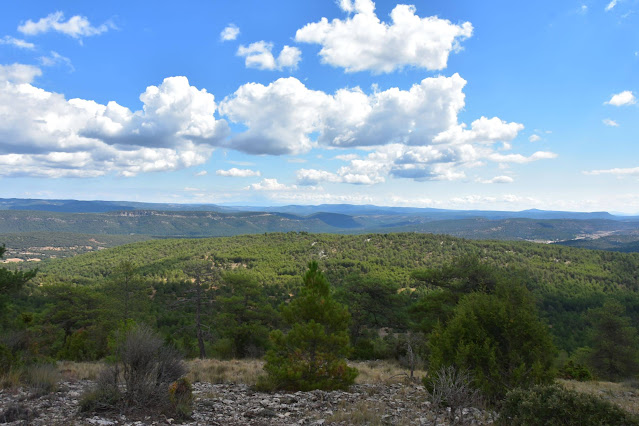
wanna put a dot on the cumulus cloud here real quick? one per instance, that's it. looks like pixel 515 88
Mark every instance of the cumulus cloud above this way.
pixel 282 116
pixel 534 138
pixel 77 26
pixel 260 55
pixel 235 172
pixel 624 98
pixel 610 122
pixel 633 171
pixel 427 163
pixel 202 173
pixel 16 42
pixel 482 130
pixel 497 179
pixel 362 42
pixel 44 134
pixel 230 32
pixel 415 132
pixel 611 5
pixel 173 112
pixel 19 73
pixel 270 185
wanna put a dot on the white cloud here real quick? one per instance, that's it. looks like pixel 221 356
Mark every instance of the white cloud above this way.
pixel 483 130
pixel 282 117
pixel 418 163
pixel 313 177
pixel 54 59
pixel 289 57
pixel 202 173
pixel 611 5
pixel 77 26
pixel 497 179
pixel 362 42
pixel 634 171
pixel 521 159
pixel 259 55
pixel 235 172
pixel 173 113
pixel 624 98
pixel 347 157
pixel 44 134
pixel 230 32
pixel 16 42
pixel 610 122
pixel 416 132
pixel 270 185
pixel 534 138
pixel 19 73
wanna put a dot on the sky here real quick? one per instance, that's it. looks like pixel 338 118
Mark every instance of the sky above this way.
pixel 457 104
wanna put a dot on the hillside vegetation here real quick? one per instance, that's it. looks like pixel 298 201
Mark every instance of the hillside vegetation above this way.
pixel 191 224
pixel 280 258
pixel 509 313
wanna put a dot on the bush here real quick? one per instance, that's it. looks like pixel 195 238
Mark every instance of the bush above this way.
pixel 181 397
pixel 498 338
pixel 553 405
pixel 141 377
pixel 575 371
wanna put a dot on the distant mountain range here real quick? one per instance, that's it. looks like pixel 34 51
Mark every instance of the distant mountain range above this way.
pixel 600 230
pixel 97 206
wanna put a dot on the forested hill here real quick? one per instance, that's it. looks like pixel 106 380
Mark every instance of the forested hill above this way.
pixel 166 223
pixel 567 283
pixel 162 224
pixel 280 259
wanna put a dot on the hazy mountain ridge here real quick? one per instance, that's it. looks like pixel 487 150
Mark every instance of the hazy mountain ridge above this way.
pixel 97 206
pixel 571 228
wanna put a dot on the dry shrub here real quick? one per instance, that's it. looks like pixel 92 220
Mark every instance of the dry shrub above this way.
pixel 71 370
pixel 42 379
pixel 451 389
pixel 17 412
pixel 359 413
pixel 221 371
pixel 141 378
pixel 387 372
pixel 625 394
pixel 12 378
pixel 554 405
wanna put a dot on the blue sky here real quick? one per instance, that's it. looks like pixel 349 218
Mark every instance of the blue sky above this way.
pixel 449 104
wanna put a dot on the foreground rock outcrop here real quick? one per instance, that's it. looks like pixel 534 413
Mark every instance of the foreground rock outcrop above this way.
pixel 237 404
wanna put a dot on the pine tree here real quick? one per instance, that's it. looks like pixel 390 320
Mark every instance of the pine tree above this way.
pixel 312 355
pixel 614 353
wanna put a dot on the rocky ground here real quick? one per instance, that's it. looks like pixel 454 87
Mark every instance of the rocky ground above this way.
pixel 237 404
